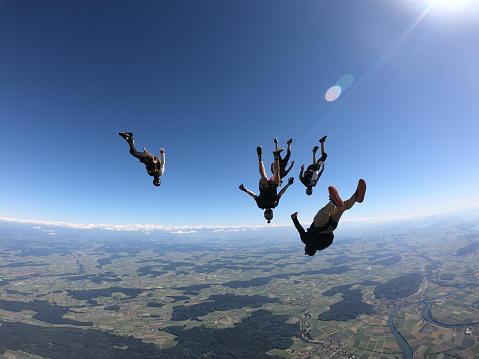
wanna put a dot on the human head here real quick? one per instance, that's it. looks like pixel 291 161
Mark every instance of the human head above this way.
pixel 309 251
pixel 309 191
pixel 156 181
pixel 268 214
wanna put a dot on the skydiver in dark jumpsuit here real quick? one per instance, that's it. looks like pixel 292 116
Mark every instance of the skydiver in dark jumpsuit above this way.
pixel 154 166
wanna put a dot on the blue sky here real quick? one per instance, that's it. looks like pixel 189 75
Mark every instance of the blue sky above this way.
pixel 211 80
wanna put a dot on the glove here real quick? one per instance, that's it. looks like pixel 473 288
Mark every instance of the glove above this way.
pixel 290 180
pixel 241 187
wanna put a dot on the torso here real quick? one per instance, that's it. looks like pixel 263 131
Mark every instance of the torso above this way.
pixel 268 198
pixel 318 240
pixel 151 168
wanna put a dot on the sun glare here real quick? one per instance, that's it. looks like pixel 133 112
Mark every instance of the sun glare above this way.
pixel 454 8
pixel 450 3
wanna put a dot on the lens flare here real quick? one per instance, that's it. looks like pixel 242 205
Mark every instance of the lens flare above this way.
pixel 333 93
pixel 345 82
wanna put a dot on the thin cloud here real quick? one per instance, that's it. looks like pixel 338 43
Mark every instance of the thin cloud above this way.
pixel 147 228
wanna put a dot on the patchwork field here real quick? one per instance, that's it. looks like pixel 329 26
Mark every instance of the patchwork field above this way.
pixel 161 298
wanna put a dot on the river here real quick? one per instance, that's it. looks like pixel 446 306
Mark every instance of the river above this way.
pixel 403 344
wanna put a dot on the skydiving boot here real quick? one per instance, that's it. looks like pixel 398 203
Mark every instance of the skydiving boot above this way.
pixel 277 152
pixel 360 191
pixel 289 141
pixel 322 139
pixel 259 151
pixel 126 135
pixel 315 148
pixel 334 196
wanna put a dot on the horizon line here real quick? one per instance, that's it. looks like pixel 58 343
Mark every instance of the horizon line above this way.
pixel 150 227
pixel 219 228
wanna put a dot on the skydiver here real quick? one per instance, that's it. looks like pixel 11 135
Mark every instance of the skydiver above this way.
pixel 154 166
pixel 283 162
pixel 320 234
pixel 268 197
pixel 312 174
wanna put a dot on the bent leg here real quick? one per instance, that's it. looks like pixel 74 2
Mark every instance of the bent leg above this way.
pixel 131 143
pixel 276 176
pixel 283 162
pixel 288 154
pixel 322 217
pixel 280 164
pixel 282 167
pixel 134 152
pixel 285 172
pixel 338 211
pixel 322 159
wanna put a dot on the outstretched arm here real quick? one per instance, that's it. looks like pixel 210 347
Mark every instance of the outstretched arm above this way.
pixel 244 189
pixel 301 172
pixel 298 226
pixel 162 161
pixel 290 182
